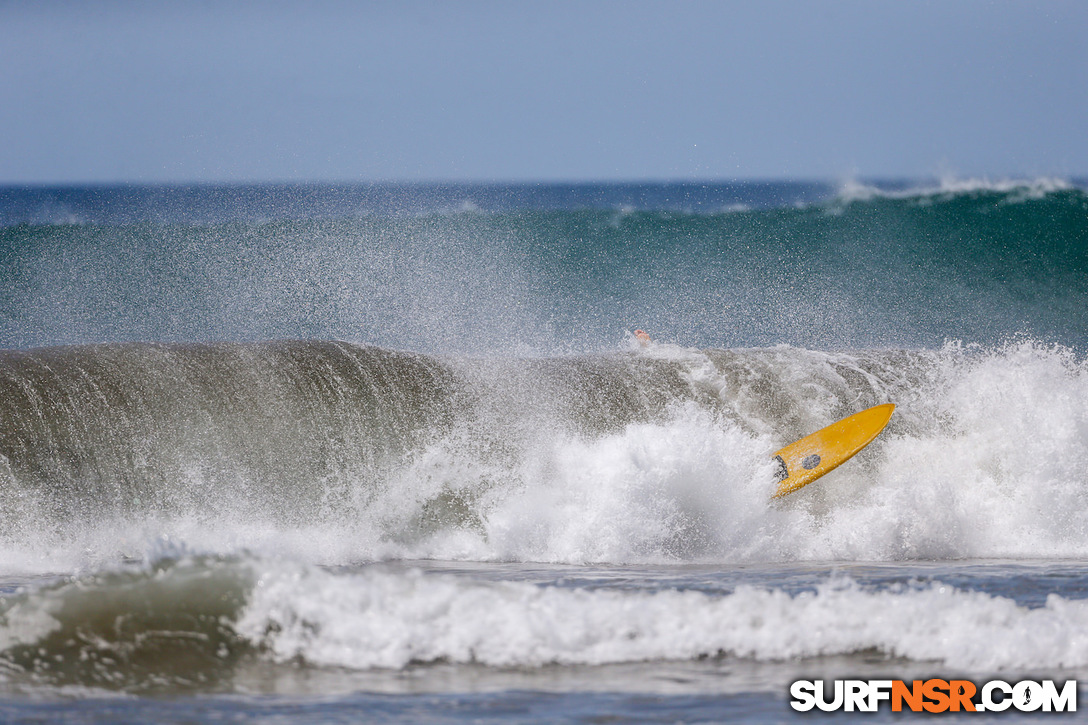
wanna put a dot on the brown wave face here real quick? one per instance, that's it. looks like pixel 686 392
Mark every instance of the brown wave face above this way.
pixel 127 428
pixel 294 433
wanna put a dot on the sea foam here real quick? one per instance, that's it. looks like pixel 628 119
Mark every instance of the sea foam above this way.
pixel 199 616
pixel 391 620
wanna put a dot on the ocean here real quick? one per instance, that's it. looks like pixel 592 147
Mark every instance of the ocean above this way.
pixel 392 452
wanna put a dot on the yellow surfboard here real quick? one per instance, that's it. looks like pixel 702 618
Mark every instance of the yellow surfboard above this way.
pixel 802 462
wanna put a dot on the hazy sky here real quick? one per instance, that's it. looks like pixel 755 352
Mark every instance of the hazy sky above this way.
pixel 554 90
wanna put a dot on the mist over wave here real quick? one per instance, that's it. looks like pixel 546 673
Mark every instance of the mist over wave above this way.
pixel 489 271
pixel 491 407
pixel 339 453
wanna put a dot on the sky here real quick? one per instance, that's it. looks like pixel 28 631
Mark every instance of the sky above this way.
pixel 586 90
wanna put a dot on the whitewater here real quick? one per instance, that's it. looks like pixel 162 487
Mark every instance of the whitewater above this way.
pixel 307 452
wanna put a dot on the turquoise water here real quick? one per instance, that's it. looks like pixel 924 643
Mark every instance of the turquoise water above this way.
pixel 325 453
pixel 501 270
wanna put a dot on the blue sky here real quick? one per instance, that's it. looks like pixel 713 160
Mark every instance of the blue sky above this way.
pixel 590 90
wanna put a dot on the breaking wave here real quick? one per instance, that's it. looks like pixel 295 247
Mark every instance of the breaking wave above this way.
pixel 193 621
pixel 346 453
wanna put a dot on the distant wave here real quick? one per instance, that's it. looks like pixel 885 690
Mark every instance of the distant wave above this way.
pixel 980 262
pixel 1015 190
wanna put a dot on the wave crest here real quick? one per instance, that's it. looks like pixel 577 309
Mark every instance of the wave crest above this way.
pixel 341 453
